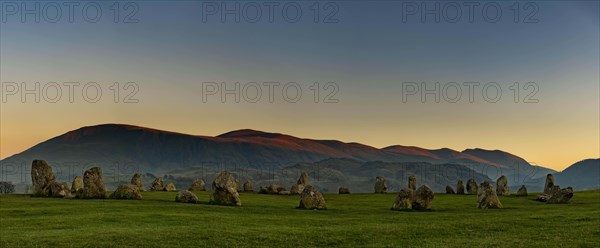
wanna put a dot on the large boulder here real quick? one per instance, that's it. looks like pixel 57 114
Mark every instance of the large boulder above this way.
pixel 77 184
pixel 225 190
pixel 170 187
pixel 460 187
pixel 343 190
pixel 412 182
pixel 186 196
pixel 486 196
pixel 522 191
pixel 248 187
pixel 311 199
pixel 404 200
pixel 561 196
pixel 549 184
pixel 93 184
pixel 449 190
pixel 57 189
pixel 127 192
pixel 136 180
pixel 557 195
pixel 41 177
pixel 502 186
pixel 380 185
pixel 471 187
pixel 422 198
pixel 157 184
pixel 197 185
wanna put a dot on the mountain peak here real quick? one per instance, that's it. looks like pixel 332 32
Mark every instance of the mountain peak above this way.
pixel 248 133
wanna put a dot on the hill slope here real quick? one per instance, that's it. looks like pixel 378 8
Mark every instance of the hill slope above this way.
pixel 584 174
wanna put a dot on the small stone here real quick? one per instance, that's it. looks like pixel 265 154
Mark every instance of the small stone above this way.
pixel 198 185
pixel 170 187
pixel 343 190
pixel 422 198
pixel 136 180
pixel 412 182
pixel 460 188
pixel 225 190
pixel 449 190
pixel 502 186
pixel 522 191
pixel 403 200
pixel 486 196
pixel 471 187
pixel 127 192
pixel 186 196
pixel 157 184
pixel 380 185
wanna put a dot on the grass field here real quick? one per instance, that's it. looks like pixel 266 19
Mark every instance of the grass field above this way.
pixel 357 220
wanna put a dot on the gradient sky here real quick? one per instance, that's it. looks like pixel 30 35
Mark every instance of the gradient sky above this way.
pixel 368 53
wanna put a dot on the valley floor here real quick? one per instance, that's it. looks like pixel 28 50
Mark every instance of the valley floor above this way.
pixel 356 220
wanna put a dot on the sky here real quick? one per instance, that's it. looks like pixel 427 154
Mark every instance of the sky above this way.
pixel 533 70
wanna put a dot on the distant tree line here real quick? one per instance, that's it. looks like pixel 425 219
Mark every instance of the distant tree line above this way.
pixel 7 188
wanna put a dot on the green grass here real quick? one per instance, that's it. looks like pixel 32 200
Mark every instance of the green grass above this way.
pixel 356 220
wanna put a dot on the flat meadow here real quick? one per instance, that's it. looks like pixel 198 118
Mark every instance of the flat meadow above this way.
pixel 355 220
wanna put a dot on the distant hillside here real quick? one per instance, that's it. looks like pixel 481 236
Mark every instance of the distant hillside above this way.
pixel 122 150
pixel 584 174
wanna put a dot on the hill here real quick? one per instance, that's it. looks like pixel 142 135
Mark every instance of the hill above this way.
pixel 122 150
pixel 584 174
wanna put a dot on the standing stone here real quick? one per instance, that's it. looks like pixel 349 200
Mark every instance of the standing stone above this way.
pixel 137 181
pixel 225 190
pixel 343 190
pixel 93 184
pixel 248 187
pixel 127 192
pixel 302 182
pixel 460 188
pixel 157 184
pixel 522 191
pixel 311 199
pixel 486 196
pixel 449 190
pixel 41 177
pixel 404 200
pixel 502 186
pixel 57 189
pixel 170 187
pixel 380 185
pixel 549 184
pixel 471 187
pixel 198 185
pixel 77 184
pixel 412 182
pixel 422 198
pixel 186 197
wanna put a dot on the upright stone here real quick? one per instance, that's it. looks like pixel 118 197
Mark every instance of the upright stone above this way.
pixel 170 187
pixel 380 185
pixel 549 184
pixel 471 187
pixel 198 185
pixel 449 190
pixel 248 187
pixel 311 199
pixel 302 182
pixel 127 192
pixel 225 190
pixel 522 191
pixel 502 186
pixel 486 196
pixel 137 181
pixel 422 198
pixel 412 182
pixel 77 184
pixel 93 184
pixel 157 184
pixel 41 177
pixel 460 188
pixel 404 200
